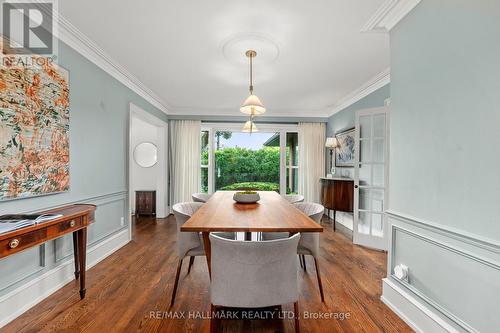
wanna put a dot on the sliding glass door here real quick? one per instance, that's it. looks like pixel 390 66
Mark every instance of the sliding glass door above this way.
pixel 265 161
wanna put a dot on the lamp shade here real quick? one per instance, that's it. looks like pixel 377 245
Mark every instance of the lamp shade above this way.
pixel 249 127
pixel 253 106
pixel 331 143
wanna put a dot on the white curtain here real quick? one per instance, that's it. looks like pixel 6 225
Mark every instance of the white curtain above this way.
pixel 185 150
pixel 311 159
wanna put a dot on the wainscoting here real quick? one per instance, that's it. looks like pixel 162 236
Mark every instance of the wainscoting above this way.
pixel 30 276
pixel 454 277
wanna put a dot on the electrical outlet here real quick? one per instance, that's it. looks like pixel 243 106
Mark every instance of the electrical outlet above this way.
pixel 401 272
pixel 122 221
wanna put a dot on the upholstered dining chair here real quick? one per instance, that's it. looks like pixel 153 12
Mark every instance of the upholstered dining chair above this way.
pixel 309 242
pixel 190 244
pixel 200 197
pixel 294 198
pixel 253 274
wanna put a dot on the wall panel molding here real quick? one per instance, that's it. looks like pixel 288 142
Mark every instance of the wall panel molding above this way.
pixel 457 256
pixel 461 235
pixel 26 296
pixel 41 261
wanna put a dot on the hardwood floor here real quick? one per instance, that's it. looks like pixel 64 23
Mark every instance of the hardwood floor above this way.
pixel 126 291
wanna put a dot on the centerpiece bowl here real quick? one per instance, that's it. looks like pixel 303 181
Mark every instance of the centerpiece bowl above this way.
pixel 246 197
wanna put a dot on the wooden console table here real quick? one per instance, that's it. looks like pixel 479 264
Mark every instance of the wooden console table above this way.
pixel 337 194
pixel 75 219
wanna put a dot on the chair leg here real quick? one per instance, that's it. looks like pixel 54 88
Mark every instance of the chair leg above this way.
pixel 300 261
pixel 213 318
pixel 304 262
pixel 296 315
pixel 174 290
pixel 191 261
pixel 319 280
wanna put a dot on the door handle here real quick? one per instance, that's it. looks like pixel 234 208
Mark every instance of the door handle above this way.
pixel 356 186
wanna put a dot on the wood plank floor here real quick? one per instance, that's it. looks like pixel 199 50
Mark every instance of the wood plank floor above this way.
pixel 124 291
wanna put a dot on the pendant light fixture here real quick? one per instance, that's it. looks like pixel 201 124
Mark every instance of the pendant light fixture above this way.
pixel 252 105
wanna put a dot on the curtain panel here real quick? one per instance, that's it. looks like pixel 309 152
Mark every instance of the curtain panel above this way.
pixel 312 159
pixel 185 147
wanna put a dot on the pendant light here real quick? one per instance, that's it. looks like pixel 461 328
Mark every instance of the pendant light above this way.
pixel 249 127
pixel 252 104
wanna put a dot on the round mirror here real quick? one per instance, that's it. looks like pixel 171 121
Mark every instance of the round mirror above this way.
pixel 146 154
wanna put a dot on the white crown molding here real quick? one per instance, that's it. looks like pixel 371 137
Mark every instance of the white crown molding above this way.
pixel 78 41
pixel 375 83
pixel 186 111
pixel 388 15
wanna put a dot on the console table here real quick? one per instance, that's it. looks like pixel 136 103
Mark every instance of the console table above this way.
pixel 75 219
pixel 337 194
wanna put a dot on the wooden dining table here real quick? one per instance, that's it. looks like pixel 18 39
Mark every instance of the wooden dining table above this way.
pixel 272 213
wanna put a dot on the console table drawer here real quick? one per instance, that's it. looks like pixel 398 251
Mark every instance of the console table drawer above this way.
pixel 21 242
pixel 57 230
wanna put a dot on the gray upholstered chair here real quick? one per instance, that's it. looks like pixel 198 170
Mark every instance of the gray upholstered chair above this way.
pixel 200 197
pixel 294 198
pixel 309 242
pixel 190 244
pixel 254 274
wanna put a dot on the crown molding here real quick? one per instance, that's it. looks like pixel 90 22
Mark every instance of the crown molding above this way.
pixel 275 113
pixel 388 15
pixel 78 41
pixel 364 90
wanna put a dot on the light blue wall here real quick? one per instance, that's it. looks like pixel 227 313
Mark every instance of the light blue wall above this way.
pixel 99 110
pixel 345 118
pixel 445 157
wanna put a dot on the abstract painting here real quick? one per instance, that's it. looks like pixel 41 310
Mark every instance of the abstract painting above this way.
pixel 34 130
pixel 344 153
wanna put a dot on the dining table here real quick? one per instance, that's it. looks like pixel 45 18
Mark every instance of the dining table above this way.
pixel 272 213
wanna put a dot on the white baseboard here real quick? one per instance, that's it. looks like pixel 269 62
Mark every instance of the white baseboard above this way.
pixel 417 315
pixel 16 302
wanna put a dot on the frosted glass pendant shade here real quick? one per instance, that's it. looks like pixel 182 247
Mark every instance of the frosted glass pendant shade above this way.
pixel 249 127
pixel 253 106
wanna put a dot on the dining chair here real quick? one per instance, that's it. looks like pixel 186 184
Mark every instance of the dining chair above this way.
pixel 200 197
pixel 253 274
pixel 294 198
pixel 309 241
pixel 190 244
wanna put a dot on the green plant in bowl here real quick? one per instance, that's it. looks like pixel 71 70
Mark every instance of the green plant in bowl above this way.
pixel 246 192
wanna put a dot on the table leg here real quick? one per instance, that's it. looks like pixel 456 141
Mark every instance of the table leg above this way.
pixel 75 253
pixel 82 251
pixel 334 215
pixel 208 251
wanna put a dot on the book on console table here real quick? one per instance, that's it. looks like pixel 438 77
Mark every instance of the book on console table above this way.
pixel 13 222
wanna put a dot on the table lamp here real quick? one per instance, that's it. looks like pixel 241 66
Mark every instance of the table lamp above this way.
pixel 331 143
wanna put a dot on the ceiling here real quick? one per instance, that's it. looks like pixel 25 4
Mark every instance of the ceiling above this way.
pixel 310 54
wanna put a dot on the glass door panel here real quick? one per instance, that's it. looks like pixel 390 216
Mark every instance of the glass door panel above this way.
pixel 370 178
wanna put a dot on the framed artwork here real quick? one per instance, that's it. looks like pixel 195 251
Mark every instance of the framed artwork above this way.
pixel 34 130
pixel 344 153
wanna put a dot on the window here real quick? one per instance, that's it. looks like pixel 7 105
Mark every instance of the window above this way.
pixel 292 163
pixel 266 160
pixel 204 160
pixel 247 162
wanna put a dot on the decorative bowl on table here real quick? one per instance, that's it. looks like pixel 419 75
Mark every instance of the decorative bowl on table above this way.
pixel 246 197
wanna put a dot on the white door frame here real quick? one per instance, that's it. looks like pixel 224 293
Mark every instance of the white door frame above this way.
pixel 162 209
pixel 282 129
pixel 362 239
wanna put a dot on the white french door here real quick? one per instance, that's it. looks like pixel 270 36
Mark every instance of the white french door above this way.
pixel 371 178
